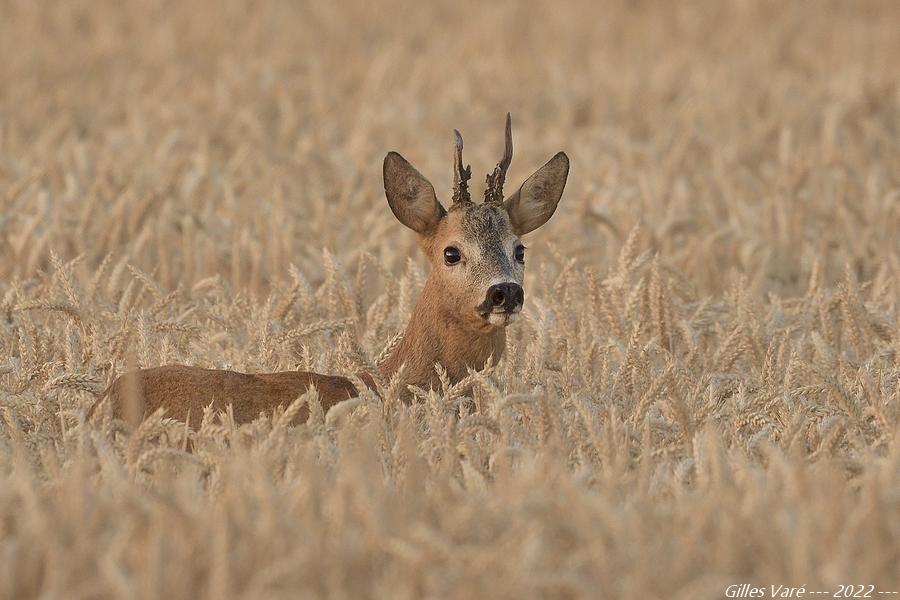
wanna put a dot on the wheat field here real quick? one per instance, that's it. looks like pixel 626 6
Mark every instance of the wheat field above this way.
pixel 704 390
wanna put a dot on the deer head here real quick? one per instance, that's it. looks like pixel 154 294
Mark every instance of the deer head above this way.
pixel 475 249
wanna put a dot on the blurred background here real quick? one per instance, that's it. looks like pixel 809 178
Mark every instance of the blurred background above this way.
pixel 703 389
pixel 754 139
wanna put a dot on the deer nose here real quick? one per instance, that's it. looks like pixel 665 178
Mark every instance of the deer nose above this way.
pixel 506 296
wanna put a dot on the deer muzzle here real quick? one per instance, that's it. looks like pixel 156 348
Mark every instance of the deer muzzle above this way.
pixel 502 300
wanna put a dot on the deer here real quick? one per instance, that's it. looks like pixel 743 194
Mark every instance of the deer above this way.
pixel 473 292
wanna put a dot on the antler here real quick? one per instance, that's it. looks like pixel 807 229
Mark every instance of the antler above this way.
pixel 461 174
pixel 493 192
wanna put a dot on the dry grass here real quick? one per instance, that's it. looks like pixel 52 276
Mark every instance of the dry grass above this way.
pixel 705 391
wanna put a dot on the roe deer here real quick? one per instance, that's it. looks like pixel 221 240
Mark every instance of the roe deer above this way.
pixel 473 291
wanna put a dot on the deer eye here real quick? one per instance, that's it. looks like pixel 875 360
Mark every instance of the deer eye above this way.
pixel 520 253
pixel 452 255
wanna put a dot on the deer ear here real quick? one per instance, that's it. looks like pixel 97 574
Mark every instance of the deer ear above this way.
pixel 410 196
pixel 536 200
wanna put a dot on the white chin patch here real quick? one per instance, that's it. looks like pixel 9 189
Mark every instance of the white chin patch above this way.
pixel 502 319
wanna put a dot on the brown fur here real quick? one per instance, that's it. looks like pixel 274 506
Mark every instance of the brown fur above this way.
pixel 434 335
pixel 446 327
pixel 185 392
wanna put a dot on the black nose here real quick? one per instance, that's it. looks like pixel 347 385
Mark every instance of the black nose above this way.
pixel 508 296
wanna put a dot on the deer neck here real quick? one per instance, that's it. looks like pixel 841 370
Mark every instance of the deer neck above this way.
pixel 435 334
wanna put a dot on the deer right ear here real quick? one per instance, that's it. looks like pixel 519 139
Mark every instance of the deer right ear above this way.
pixel 536 200
pixel 410 196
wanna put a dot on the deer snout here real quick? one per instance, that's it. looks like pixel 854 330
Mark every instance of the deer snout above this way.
pixel 504 297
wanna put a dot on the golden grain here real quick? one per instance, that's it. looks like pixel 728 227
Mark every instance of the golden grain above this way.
pixel 710 398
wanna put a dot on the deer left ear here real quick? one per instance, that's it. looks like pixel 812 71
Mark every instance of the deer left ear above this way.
pixel 536 200
pixel 410 196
